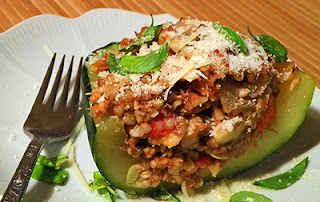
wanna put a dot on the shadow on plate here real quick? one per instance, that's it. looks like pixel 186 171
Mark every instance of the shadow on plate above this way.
pixel 41 191
pixel 306 137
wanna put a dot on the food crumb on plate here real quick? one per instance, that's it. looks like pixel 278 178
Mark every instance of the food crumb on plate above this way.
pixel 12 138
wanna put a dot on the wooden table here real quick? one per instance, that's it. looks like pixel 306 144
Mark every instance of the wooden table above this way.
pixel 295 23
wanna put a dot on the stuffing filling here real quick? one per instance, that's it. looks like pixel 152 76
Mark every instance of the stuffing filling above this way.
pixel 206 105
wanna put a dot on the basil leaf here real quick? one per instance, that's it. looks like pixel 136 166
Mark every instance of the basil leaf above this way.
pixel 272 45
pixel 232 36
pixel 237 39
pixel 97 54
pixel 50 175
pixel 102 187
pixel 130 60
pixel 147 35
pixel 142 64
pixel 286 179
pixel 54 162
pixel 145 63
pixel 164 195
pixel 247 196
pixel 114 66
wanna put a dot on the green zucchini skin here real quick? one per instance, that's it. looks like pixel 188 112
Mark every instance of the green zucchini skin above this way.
pixel 292 106
pixel 86 88
pixel 94 136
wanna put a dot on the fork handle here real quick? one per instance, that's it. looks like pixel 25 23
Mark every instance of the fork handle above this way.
pixel 21 177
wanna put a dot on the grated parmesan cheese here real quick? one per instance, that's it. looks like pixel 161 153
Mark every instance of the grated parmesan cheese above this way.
pixel 75 133
pixel 102 98
pixel 72 162
pixel 197 44
pixel 228 130
pixel 144 49
pixel 199 51
pixel 184 189
pixel 202 52
pixel 229 124
pixel 103 74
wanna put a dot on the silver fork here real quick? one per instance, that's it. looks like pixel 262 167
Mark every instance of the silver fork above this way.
pixel 47 122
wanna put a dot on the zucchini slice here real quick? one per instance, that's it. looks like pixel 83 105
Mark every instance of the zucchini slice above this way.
pixel 106 138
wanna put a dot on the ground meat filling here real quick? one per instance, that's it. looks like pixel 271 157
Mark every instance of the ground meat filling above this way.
pixel 180 128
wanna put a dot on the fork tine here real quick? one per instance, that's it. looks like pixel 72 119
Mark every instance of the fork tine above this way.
pixel 64 95
pixel 76 91
pixel 45 125
pixel 54 90
pixel 45 82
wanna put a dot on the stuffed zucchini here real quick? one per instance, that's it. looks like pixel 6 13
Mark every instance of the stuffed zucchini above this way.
pixel 189 102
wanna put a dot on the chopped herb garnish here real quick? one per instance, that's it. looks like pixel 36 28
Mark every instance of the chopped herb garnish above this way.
pixel 248 196
pixel 165 195
pixel 50 175
pixel 272 45
pixel 102 187
pixel 232 36
pixel 114 66
pixel 54 162
pixel 142 64
pixel 286 179
pixel 147 35
pixel 49 170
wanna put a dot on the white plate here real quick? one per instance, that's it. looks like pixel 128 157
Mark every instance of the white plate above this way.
pixel 24 60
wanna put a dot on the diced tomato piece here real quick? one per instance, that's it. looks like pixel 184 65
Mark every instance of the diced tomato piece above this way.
pixel 194 100
pixel 126 41
pixel 194 97
pixel 269 115
pixel 138 34
pixel 182 21
pixel 203 160
pixel 101 82
pixel 95 111
pixel 219 53
pixel 160 126
pixel 168 29
pixel 101 64
pixel 163 39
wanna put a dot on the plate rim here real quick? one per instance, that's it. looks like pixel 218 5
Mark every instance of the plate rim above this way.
pixel 88 13
pixel 33 19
